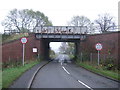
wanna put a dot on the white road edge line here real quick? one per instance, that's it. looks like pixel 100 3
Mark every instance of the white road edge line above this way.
pixel 85 85
pixel 65 70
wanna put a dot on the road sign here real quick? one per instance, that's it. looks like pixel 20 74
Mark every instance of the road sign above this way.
pixel 23 40
pixel 98 46
pixel 34 49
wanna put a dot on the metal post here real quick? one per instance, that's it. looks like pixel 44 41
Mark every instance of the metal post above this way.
pixel 98 58
pixel 23 53
pixel 38 56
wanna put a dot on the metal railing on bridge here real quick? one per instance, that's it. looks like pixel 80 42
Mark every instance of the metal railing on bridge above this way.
pixel 65 32
pixel 53 30
pixel 62 29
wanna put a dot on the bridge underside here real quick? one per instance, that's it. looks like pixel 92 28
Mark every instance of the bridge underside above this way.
pixel 46 39
pixel 60 36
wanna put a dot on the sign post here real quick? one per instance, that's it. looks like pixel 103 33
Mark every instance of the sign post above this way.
pixel 23 54
pixel 23 41
pixel 98 47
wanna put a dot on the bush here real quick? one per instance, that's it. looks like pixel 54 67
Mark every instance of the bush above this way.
pixel 109 63
pixel 11 64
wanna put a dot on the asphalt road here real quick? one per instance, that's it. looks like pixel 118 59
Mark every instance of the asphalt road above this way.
pixel 57 75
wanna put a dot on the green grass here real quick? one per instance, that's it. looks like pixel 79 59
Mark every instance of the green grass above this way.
pixel 8 38
pixel 100 70
pixel 11 74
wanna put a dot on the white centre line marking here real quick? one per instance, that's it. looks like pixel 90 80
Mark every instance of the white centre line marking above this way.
pixel 65 70
pixel 85 85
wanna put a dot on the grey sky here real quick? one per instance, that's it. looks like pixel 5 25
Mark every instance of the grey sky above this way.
pixel 61 11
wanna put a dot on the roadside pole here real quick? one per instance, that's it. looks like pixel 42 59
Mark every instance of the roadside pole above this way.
pixel 23 41
pixel 23 54
pixel 98 57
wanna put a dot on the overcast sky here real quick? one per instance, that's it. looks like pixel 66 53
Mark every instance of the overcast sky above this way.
pixel 61 11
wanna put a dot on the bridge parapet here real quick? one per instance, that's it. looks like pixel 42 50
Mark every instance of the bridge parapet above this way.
pixel 61 32
pixel 61 29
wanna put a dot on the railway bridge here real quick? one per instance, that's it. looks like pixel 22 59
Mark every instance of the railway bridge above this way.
pixel 42 36
pixel 60 34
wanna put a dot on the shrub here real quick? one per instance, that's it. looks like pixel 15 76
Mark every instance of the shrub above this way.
pixel 109 63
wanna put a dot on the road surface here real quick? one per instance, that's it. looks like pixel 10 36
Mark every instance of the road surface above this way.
pixel 68 75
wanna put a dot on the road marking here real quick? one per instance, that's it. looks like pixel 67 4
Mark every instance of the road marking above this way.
pixel 85 84
pixel 65 70
pixel 77 80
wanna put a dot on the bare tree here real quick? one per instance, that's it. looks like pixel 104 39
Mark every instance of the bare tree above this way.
pixel 105 23
pixel 63 47
pixel 83 22
pixel 80 21
pixel 23 20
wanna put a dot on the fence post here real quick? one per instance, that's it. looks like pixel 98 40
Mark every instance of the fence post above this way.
pixel 9 59
pixel 90 57
pixel 81 56
pixel 38 56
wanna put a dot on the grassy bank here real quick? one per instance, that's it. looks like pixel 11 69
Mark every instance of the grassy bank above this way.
pixel 12 37
pixel 11 74
pixel 100 70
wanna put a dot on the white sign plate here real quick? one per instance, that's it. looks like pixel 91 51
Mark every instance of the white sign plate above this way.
pixel 34 49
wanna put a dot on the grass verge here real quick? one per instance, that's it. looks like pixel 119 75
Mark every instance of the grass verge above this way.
pixel 100 70
pixel 11 74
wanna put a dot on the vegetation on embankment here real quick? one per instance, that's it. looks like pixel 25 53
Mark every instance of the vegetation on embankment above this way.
pixel 12 73
pixel 11 37
pixel 114 74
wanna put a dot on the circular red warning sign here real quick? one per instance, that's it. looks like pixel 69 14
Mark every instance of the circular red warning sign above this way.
pixel 24 40
pixel 98 46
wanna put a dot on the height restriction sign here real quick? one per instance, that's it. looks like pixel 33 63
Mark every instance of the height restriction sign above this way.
pixel 98 46
pixel 23 40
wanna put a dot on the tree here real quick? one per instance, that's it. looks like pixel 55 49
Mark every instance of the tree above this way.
pixel 67 48
pixel 105 23
pixel 63 47
pixel 52 53
pixel 71 48
pixel 83 22
pixel 24 20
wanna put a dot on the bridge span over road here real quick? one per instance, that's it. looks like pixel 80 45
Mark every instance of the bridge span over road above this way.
pixel 40 38
pixel 60 34
pixel 66 75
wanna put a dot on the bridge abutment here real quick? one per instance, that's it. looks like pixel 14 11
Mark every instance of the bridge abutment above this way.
pixel 44 49
pixel 77 49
